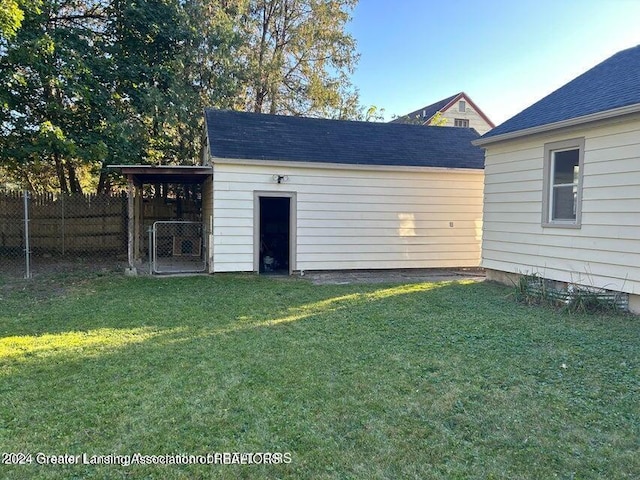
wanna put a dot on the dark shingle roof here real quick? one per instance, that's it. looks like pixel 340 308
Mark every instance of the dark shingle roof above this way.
pixel 612 84
pixel 425 113
pixel 254 136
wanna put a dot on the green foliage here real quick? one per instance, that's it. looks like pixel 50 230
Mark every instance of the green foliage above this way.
pixel 532 289
pixel 299 57
pixel 50 97
pixel 118 81
pixel 86 83
pixel 12 15
pixel 372 114
pixel 438 120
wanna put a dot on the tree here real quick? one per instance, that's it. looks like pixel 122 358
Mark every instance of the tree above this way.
pixel 87 83
pixel 12 15
pixel 50 96
pixel 172 59
pixel 299 58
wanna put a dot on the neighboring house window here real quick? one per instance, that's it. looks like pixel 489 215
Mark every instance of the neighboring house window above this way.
pixel 461 122
pixel 562 200
pixel 462 106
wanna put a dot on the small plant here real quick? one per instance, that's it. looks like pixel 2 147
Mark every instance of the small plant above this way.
pixel 588 300
pixel 532 289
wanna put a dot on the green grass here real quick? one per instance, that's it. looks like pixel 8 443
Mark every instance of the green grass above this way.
pixel 446 380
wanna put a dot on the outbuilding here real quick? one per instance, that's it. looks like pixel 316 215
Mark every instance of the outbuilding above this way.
pixel 298 194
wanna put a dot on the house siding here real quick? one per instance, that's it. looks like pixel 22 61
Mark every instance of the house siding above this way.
pixel 357 218
pixel 605 251
pixel 475 119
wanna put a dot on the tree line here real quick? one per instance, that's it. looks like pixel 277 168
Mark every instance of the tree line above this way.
pixel 88 83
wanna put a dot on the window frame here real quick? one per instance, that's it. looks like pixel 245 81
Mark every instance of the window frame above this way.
pixel 547 190
pixel 462 106
pixel 465 121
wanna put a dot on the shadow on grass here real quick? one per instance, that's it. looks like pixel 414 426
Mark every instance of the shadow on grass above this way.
pixel 103 340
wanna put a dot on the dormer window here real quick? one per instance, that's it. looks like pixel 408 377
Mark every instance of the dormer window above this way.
pixel 462 106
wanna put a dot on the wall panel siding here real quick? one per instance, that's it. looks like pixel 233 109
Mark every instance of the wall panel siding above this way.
pixel 605 251
pixel 355 218
pixel 475 119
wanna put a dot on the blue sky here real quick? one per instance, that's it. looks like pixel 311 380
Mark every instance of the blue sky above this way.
pixel 505 54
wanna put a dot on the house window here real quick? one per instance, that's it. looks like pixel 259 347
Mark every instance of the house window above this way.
pixel 563 183
pixel 462 106
pixel 461 122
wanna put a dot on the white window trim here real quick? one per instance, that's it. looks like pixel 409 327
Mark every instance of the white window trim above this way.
pixel 547 187
pixel 293 228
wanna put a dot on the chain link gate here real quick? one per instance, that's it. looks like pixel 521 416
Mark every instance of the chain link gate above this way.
pixel 178 247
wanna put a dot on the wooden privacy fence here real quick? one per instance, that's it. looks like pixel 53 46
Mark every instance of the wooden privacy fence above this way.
pixel 63 224
pixel 80 224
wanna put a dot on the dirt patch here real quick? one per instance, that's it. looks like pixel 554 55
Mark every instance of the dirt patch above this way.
pixel 394 276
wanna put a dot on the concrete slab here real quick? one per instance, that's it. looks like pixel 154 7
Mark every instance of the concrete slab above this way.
pixel 393 276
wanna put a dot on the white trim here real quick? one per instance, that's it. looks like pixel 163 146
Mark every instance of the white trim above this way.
pixel 550 149
pixel 293 226
pixel 341 166
pixel 594 117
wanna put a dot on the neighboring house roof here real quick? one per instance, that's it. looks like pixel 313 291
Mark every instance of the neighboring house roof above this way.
pixel 427 113
pixel 607 87
pixel 255 136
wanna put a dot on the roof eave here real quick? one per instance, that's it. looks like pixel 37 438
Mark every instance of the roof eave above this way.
pixel 594 117
pixel 338 166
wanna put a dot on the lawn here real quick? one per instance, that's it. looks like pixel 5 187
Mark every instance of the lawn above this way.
pixel 427 380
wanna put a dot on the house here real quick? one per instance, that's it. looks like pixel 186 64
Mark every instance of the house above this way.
pixel 457 111
pixel 295 194
pixel 562 184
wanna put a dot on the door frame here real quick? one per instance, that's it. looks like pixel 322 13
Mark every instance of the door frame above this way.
pixel 292 196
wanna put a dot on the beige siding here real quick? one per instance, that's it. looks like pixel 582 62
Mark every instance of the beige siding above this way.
pixel 475 119
pixel 354 218
pixel 605 251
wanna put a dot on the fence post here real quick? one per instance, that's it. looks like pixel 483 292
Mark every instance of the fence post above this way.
pixel 151 247
pixel 27 249
pixel 131 269
pixel 62 196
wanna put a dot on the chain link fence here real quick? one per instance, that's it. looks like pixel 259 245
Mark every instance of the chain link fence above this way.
pixel 42 233
pixel 178 247
pixel 47 233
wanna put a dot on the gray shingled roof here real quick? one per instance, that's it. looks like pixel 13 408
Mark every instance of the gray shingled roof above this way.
pixel 254 136
pixel 612 84
pixel 427 112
